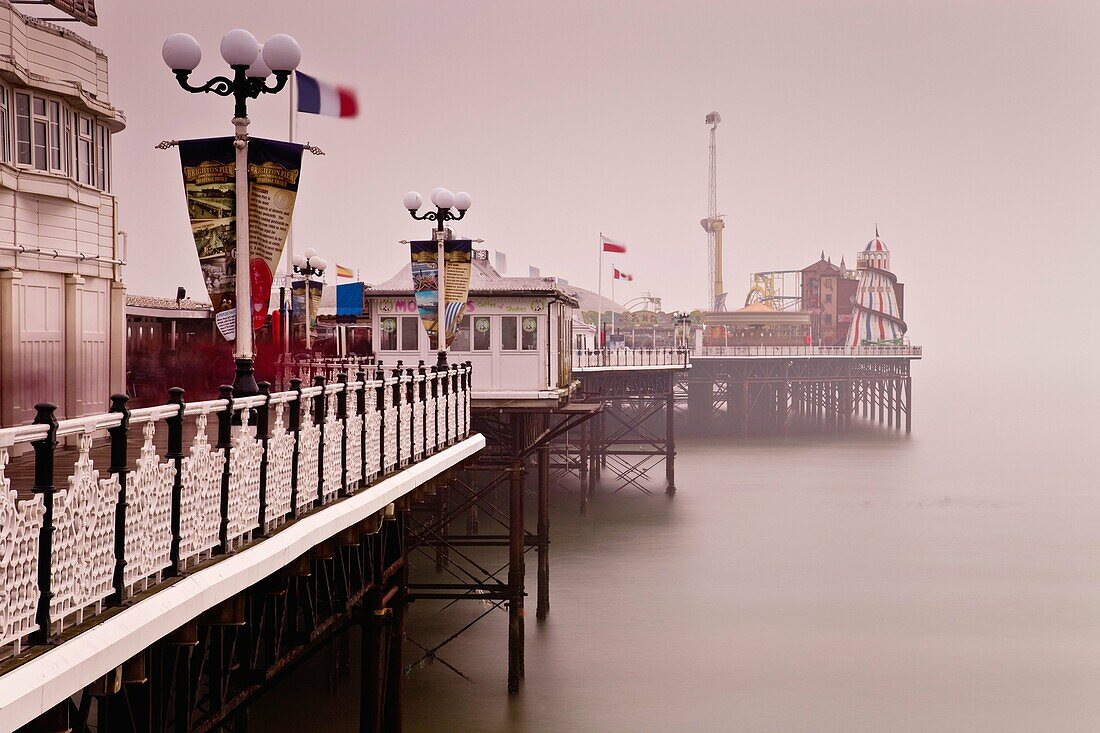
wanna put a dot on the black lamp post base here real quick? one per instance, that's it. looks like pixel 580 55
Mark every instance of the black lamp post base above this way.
pixel 244 383
pixel 441 362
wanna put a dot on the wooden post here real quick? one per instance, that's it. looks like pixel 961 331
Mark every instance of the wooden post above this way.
pixel 515 568
pixel 118 468
pixel 543 607
pixel 44 451
pixel 175 455
pixel 670 436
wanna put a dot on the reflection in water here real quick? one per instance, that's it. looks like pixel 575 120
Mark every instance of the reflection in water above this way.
pixel 869 582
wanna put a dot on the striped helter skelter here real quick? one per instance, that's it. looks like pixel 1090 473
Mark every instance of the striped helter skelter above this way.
pixel 875 314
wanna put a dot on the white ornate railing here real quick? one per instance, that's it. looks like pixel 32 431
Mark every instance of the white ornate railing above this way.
pixel 837 351
pixel 233 470
pixel 625 358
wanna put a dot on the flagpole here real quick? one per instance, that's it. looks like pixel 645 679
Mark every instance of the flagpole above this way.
pixel 288 266
pixel 599 302
pixel 613 278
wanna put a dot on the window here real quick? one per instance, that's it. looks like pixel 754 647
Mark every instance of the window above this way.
pixel 462 338
pixel 529 340
pixel 5 125
pixel 102 155
pixel 482 333
pixel 23 128
pixel 410 333
pixel 389 334
pixel 56 162
pixel 68 115
pixel 828 297
pixel 508 329
pixel 828 318
pixel 84 149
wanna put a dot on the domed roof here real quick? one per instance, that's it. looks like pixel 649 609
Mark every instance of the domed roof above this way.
pixel 876 245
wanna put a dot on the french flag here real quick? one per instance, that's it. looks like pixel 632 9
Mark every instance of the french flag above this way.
pixel 318 98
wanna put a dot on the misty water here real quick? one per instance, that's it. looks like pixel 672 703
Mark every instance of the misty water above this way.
pixel 945 581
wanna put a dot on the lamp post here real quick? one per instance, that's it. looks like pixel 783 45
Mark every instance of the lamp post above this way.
pixel 444 201
pixel 251 67
pixel 308 264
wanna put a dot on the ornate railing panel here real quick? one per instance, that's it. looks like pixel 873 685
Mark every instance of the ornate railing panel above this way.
pixel 83 563
pixel 20 527
pixel 309 439
pixel 148 515
pixel 200 511
pixel 280 467
pixel 234 469
pixel 625 358
pixel 244 481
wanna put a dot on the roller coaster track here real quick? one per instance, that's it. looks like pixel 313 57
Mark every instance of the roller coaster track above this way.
pixel 901 325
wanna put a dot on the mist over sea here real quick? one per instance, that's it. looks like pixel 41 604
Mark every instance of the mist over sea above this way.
pixel 945 581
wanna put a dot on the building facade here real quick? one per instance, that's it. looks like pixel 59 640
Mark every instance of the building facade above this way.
pixel 62 301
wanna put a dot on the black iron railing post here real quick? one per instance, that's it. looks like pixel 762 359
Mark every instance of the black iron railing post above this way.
pixel 263 432
pixel 119 435
pixel 225 444
pixel 320 410
pixel 175 455
pixel 361 405
pixel 342 416
pixel 380 397
pixel 295 426
pixel 395 403
pixel 422 395
pixel 44 451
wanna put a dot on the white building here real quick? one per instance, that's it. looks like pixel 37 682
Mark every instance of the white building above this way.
pixel 62 301
pixel 517 333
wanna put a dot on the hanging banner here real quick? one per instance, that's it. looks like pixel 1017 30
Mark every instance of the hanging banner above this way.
pixel 208 182
pixel 209 171
pixel 456 282
pixel 425 275
pixel 273 171
pixel 298 308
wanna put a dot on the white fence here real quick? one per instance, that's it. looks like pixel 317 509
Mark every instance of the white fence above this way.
pixel 249 465
pixel 625 358
pixel 807 351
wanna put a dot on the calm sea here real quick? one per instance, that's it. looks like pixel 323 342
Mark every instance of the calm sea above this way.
pixel 946 581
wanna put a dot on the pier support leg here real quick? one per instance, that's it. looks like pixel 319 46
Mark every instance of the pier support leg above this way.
pixel 542 609
pixel 441 553
pixel 670 437
pixel 394 669
pixel 373 623
pixel 515 577
pixel 897 404
pixel 585 474
pixel 746 408
pixel 908 404
pixel 782 398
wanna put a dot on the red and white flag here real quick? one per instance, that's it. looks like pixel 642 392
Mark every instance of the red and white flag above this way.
pixel 618 274
pixel 610 245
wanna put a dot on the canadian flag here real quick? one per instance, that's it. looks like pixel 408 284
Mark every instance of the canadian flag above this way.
pixel 620 275
pixel 610 245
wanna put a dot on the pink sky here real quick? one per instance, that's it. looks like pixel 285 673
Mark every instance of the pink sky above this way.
pixel 967 130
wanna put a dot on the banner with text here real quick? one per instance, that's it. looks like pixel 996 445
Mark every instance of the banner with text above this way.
pixel 425 275
pixel 208 182
pixel 456 282
pixel 209 170
pixel 273 170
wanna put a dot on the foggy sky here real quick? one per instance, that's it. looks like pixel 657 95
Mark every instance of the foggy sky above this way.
pixel 966 130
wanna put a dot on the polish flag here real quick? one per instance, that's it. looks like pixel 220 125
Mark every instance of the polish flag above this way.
pixel 610 245
pixel 319 98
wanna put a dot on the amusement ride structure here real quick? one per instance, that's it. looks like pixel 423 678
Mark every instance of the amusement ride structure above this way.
pixel 713 224
pixel 876 317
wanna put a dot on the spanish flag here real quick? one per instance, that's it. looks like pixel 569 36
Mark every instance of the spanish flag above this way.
pixel 342 271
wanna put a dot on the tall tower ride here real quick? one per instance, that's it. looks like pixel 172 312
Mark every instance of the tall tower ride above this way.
pixel 713 224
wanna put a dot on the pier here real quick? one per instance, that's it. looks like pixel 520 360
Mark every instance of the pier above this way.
pixel 166 563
